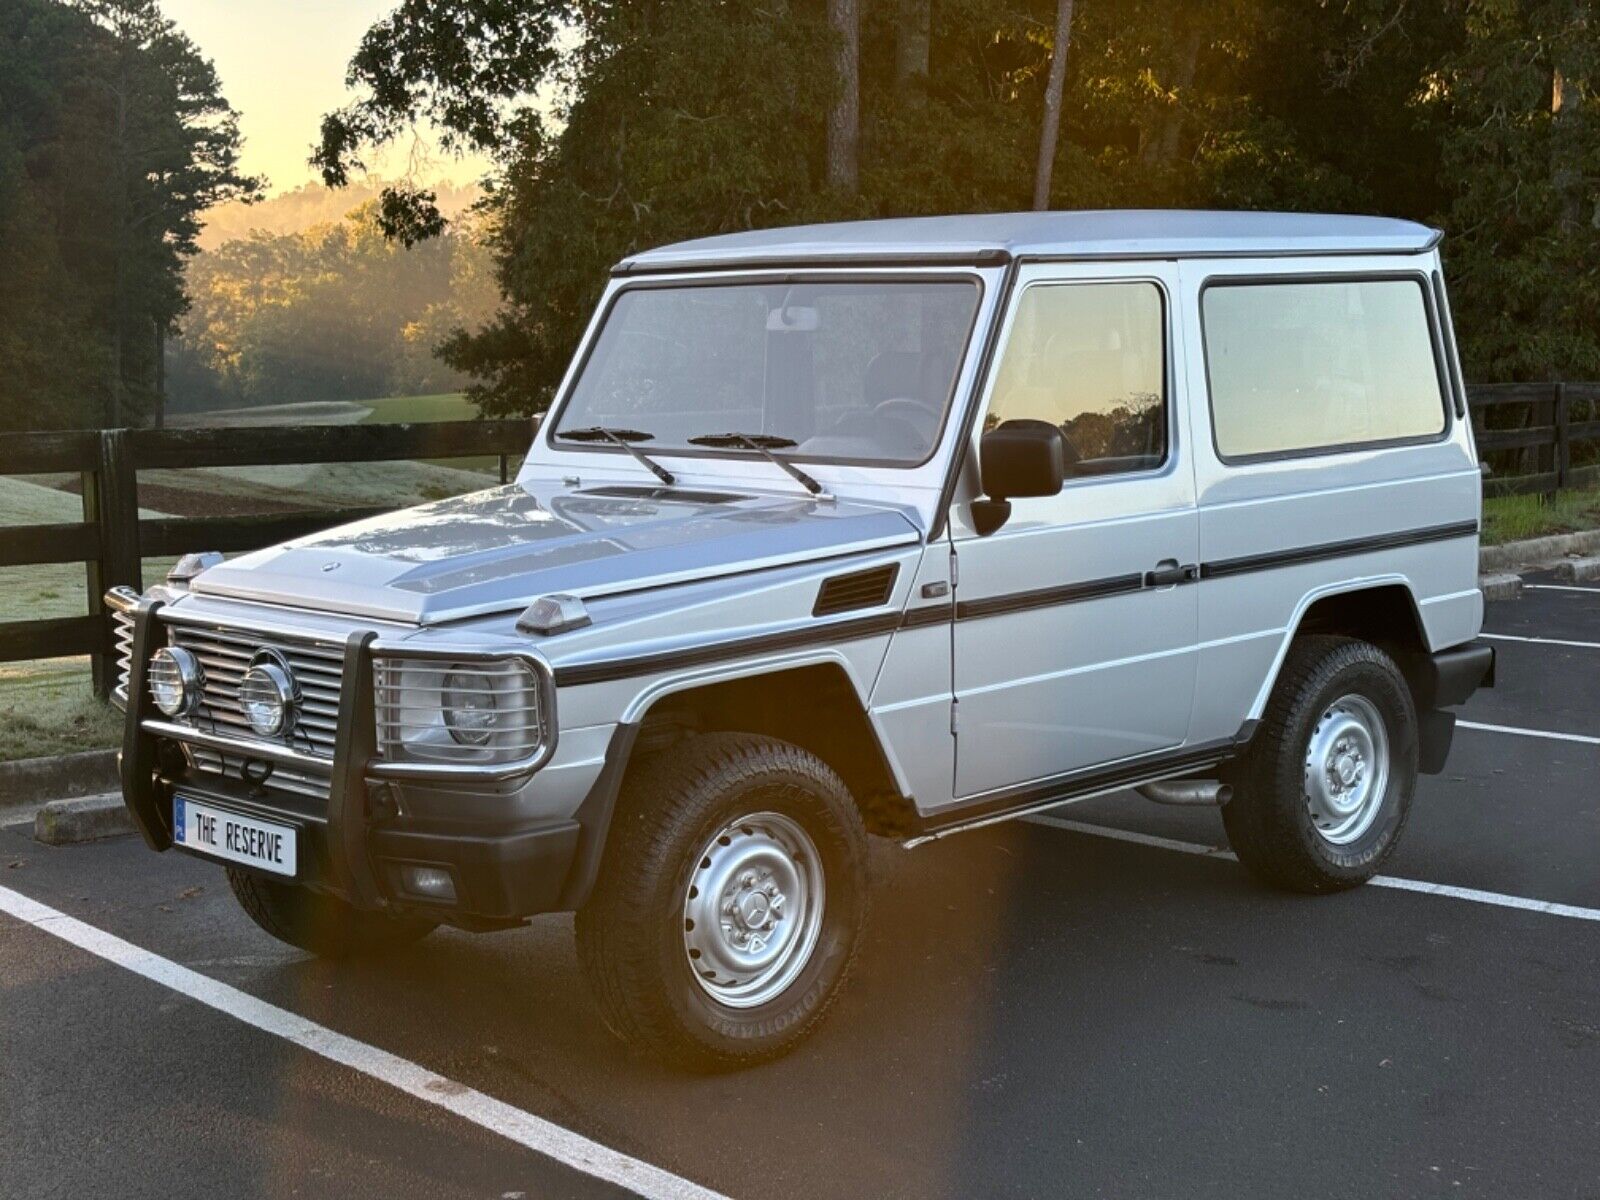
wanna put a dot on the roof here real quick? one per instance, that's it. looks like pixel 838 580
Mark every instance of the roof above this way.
pixel 1134 233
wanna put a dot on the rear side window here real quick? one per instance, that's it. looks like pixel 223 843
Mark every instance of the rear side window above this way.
pixel 1091 359
pixel 1305 366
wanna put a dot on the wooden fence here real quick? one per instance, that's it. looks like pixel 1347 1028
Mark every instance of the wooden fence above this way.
pixel 1529 437
pixel 1525 431
pixel 112 539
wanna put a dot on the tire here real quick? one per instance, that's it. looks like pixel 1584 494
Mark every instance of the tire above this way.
pixel 1340 715
pixel 322 924
pixel 725 819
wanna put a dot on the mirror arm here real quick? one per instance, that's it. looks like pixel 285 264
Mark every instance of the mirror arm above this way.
pixel 989 513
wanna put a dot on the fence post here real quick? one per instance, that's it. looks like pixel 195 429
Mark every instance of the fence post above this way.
pixel 119 512
pixel 101 667
pixel 1563 455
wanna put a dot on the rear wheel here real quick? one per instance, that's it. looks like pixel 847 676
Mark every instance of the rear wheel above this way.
pixel 730 902
pixel 325 925
pixel 1323 793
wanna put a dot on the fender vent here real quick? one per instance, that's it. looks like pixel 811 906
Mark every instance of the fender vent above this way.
pixel 860 589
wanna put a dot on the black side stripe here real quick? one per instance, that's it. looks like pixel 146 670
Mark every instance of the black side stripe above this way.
pixel 988 606
pixel 927 614
pixel 1070 593
pixel 1327 550
pixel 824 632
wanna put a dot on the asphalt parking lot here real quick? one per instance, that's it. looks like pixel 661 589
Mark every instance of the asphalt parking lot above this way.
pixel 1096 1004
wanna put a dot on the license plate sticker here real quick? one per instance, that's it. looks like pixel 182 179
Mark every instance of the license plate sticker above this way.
pixel 233 837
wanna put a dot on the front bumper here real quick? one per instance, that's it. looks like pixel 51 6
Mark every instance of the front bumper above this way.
pixel 357 846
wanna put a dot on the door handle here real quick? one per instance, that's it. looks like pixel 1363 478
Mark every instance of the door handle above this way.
pixel 1169 572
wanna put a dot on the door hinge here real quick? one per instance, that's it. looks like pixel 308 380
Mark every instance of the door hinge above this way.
pixel 955 568
pixel 955 715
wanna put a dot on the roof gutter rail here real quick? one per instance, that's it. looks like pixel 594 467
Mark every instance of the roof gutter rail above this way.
pixel 994 257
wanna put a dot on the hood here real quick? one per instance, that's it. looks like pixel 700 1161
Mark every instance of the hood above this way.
pixel 497 550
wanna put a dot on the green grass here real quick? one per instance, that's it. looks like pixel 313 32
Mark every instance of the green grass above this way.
pixel 1513 518
pixel 48 707
pixel 445 406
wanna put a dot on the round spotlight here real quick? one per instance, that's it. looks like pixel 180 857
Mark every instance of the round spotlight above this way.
pixel 269 695
pixel 177 681
pixel 470 709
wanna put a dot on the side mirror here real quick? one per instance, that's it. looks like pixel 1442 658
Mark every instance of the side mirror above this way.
pixel 1020 458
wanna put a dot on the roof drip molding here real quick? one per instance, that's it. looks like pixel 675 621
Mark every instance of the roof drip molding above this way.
pixel 991 239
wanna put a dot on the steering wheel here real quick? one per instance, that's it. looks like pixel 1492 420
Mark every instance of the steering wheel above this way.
pixel 923 417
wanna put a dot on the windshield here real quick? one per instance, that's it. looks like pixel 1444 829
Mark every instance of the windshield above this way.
pixel 849 371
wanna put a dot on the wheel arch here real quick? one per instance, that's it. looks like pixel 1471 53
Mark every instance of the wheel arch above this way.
pixel 1382 610
pixel 834 722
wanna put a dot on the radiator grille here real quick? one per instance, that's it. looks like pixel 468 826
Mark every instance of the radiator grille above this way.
pixel 283 778
pixel 860 589
pixel 225 655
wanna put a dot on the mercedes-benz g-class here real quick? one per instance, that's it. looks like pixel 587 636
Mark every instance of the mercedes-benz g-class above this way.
pixel 896 527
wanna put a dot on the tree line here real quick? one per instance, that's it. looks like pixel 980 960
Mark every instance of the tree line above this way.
pixel 678 118
pixel 336 311
pixel 114 138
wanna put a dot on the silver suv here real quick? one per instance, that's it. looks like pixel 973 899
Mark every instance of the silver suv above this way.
pixel 899 527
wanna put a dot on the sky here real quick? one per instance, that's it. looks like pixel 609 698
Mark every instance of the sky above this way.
pixel 282 65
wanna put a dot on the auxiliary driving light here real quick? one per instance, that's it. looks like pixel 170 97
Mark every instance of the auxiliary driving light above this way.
pixel 268 694
pixel 177 681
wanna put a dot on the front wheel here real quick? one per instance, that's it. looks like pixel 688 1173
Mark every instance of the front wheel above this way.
pixel 1323 793
pixel 729 903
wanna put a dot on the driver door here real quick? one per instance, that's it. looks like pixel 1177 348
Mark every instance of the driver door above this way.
pixel 1077 619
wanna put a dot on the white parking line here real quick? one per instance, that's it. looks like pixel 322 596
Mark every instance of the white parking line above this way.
pixel 1559 587
pixel 534 1133
pixel 1583 738
pixel 1539 641
pixel 1475 895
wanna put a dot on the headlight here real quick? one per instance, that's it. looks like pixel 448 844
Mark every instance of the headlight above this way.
pixel 471 710
pixel 177 681
pixel 485 713
pixel 268 694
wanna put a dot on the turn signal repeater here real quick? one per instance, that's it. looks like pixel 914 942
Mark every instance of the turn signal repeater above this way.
pixel 191 565
pixel 556 613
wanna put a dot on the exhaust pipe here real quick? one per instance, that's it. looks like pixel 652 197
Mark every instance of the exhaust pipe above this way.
pixel 1188 792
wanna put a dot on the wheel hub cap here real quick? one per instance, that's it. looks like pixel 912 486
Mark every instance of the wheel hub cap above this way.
pixel 753 909
pixel 1346 769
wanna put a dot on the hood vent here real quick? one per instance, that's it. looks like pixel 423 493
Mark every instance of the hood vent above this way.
pixel 860 589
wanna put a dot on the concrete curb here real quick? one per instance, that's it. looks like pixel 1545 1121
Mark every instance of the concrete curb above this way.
pixel 34 780
pixel 1500 587
pixel 86 819
pixel 1579 570
pixel 1537 552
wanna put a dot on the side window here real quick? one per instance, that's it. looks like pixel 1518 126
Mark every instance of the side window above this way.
pixel 1303 366
pixel 1090 358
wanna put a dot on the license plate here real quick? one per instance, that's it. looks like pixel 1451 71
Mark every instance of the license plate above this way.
pixel 228 835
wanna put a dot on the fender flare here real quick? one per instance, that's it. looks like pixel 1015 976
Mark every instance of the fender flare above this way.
pixel 1344 587
pixel 595 811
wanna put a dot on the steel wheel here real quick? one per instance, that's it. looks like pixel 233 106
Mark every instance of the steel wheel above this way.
pixel 1346 769
pixel 753 909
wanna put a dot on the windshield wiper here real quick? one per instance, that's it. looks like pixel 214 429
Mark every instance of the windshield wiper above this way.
pixel 763 444
pixel 624 438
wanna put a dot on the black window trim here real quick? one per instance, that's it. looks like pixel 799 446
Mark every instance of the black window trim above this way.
pixel 745 279
pixel 1168 398
pixel 1441 373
